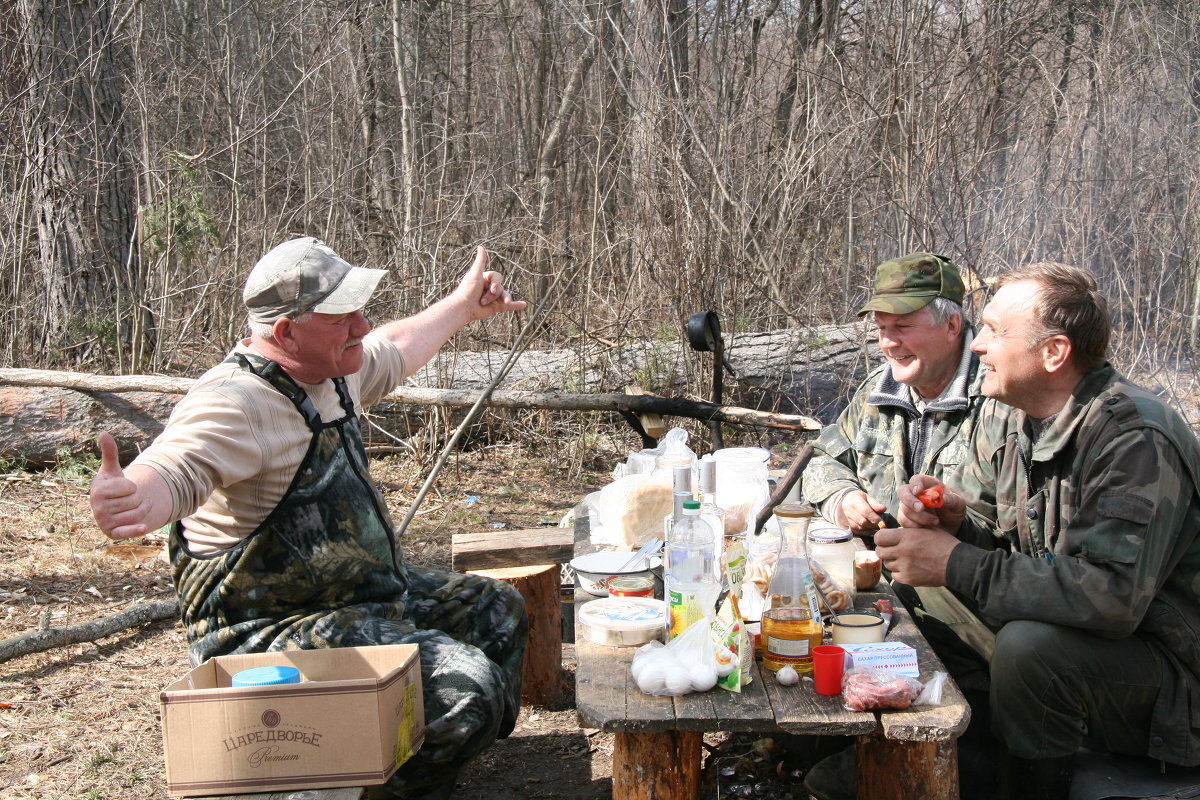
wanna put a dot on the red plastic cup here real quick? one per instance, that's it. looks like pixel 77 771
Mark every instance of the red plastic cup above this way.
pixel 829 662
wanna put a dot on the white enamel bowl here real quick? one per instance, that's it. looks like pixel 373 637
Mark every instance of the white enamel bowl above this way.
pixel 594 570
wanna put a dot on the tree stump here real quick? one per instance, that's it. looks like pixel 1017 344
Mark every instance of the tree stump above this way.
pixel 657 766
pixel 541 672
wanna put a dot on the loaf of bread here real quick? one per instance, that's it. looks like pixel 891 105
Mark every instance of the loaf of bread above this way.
pixel 632 508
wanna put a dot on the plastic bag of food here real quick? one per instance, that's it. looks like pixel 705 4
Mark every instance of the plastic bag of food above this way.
pixel 688 663
pixel 869 689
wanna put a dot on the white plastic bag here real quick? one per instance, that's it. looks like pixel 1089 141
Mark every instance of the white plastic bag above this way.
pixel 673 442
pixel 688 663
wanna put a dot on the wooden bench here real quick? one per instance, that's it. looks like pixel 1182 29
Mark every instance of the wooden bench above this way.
pixel 901 755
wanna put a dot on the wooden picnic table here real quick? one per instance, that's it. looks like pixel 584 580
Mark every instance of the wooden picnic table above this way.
pixel 901 755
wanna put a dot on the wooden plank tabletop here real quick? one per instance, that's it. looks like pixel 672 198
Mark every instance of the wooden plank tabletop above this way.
pixel 607 697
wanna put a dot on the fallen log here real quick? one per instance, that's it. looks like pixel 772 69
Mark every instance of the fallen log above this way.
pixel 46 416
pixel 49 638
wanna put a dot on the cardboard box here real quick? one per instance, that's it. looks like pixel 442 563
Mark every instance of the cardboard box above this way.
pixel 891 656
pixel 355 718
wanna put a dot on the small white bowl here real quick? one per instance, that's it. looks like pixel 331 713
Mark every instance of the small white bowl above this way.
pixel 594 569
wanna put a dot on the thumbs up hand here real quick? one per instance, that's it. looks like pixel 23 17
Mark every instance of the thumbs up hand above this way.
pixel 485 289
pixel 118 504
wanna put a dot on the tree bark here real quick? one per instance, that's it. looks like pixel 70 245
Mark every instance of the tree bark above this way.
pixel 83 178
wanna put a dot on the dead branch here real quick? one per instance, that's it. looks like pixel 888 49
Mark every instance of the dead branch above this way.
pixel 50 638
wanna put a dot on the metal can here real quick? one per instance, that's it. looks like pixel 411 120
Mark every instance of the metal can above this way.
pixel 631 586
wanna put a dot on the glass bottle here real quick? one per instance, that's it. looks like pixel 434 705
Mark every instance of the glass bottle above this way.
pixel 691 590
pixel 791 625
pixel 681 483
pixel 710 512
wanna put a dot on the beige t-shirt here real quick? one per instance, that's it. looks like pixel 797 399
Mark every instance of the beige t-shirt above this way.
pixel 234 443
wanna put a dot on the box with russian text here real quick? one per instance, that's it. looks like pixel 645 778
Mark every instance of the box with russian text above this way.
pixel 354 718
pixel 891 656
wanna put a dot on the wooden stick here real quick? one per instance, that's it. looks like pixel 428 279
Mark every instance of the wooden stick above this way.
pixel 49 638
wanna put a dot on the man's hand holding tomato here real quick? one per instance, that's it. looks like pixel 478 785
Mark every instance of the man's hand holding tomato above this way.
pixel 918 551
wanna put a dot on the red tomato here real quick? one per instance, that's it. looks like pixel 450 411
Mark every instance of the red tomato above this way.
pixel 933 497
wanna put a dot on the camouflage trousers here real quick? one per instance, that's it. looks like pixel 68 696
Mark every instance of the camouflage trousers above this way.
pixel 1056 689
pixel 471 631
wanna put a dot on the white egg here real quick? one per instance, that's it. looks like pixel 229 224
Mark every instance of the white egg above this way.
pixel 679 680
pixel 653 676
pixel 703 677
pixel 787 676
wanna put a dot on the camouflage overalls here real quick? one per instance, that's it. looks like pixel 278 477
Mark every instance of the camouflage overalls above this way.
pixel 868 448
pixel 323 570
pixel 1089 567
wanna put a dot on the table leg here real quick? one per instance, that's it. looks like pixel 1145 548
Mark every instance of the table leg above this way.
pixel 657 766
pixel 895 770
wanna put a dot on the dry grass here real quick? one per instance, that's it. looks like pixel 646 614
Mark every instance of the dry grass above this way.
pixel 82 721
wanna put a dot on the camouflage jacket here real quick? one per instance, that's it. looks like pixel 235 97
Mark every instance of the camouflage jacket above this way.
pixel 1100 516
pixel 867 448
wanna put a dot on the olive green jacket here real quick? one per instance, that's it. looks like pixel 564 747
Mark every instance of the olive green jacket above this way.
pixel 867 447
pixel 1100 517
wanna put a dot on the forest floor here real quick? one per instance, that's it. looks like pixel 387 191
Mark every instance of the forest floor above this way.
pixel 82 721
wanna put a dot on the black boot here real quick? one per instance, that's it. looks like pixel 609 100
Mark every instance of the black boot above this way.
pixel 1036 779
pixel 834 777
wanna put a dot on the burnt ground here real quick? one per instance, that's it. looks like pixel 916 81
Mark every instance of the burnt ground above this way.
pixel 82 721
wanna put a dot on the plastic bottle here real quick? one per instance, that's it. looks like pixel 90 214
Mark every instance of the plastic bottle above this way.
pixel 791 624
pixel 691 589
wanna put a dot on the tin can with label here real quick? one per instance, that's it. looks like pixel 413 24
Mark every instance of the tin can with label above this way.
pixel 631 586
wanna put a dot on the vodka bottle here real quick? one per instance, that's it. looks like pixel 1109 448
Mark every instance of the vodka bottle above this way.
pixel 690 586
pixel 710 512
pixel 681 477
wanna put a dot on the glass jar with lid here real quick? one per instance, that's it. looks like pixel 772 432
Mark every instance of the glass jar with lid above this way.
pixel 832 551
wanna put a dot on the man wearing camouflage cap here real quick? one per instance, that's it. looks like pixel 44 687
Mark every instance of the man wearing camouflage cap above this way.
pixel 914 414
pixel 281 540
pixel 1088 565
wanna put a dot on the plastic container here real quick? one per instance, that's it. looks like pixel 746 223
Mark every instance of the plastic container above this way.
pixel 621 621
pixel 742 488
pixel 265 676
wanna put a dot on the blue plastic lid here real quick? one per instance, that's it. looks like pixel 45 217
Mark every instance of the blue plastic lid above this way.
pixel 266 676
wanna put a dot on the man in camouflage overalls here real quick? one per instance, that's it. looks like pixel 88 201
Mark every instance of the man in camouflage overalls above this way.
pixel 1088 565
pixel 915 413
pixel 282 540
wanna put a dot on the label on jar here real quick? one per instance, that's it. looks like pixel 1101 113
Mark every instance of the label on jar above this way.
pixel 631 586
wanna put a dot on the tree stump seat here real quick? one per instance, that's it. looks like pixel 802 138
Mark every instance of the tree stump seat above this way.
pixel 527 560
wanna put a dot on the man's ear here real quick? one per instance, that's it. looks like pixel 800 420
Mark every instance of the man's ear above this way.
pixel 283 331
pixel 1056 352
pixel 955 325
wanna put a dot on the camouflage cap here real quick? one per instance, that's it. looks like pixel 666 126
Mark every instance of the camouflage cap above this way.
pixel 305 275
pixel 909 283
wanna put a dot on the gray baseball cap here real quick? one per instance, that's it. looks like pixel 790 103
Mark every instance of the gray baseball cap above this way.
pixel 306 275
